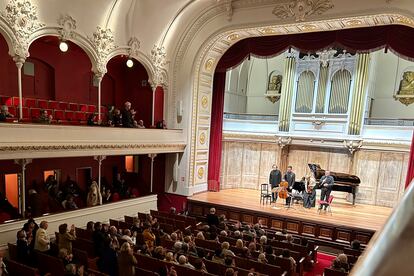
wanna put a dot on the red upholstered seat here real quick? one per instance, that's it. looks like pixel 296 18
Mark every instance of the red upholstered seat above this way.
pixel 6 100
pixel 15 101
pixel 60 115
pixel 34 112
pixel 91 108
pixel 70 115
pixel 73 106
pixel 25 112
pixel 42 104
pixel 104 109
pixel 53 105
pixel 81 116
pixel 63 105
pixel 28 102
pixel 83 107
pixel 13 110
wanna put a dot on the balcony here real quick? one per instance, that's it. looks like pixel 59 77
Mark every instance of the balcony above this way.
pixel 43 141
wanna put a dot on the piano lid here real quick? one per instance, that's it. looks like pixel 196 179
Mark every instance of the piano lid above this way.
pixel 342 178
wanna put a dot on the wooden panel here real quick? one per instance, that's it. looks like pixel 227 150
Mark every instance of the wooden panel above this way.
pixel 247 218
pixel 220 212
pixel 366 167
pixel 277 224
pixel 343 235
pixel 196 210
pixel 234 168
pixel 297 159
pixel 234 216
pixel 269 156
pixel 251 163
pixel 309 230
pixel 264 220
pixel 362 237
pixel 389 178
pixel 340 161
pixel 320 157
pixel 325 232
pixel 292 227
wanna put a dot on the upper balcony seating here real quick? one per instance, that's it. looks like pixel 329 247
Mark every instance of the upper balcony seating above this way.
pixel 62 112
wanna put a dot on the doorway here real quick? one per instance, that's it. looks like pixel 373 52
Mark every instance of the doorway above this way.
pixel 12 188
pixel 83 177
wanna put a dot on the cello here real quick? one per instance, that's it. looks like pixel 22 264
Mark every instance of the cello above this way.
pixel 283 193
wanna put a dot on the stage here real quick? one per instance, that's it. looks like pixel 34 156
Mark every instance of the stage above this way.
pixel 344 214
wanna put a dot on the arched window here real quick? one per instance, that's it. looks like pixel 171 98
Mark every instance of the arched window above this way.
pixel 340 90
pixel 305 91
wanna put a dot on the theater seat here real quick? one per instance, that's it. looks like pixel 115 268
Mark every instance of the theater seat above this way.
pixel 25 112
pixel 13 111
pixel 15 101
pixel 83 107
pixel 91 108
pixel 81 116
pixel 42 104
pixel 104 109
pixel 60 115
pixel 53 105
pixel 6 100
pixel 73 106
pixel 63 105
pixel 28 102
pixel 34 112
pixel 70 115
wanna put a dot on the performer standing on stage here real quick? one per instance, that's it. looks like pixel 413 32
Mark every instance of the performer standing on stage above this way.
pixel 326 183
pixel 275 178
pixel 290 179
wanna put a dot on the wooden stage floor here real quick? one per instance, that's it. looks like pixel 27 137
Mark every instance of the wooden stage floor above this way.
pixel 343 213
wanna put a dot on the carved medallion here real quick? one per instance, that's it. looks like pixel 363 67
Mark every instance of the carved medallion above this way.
pixel 233 37
pixel 202 138
pixel 204 102
pixel 301 9
pixel 67 26
pixel 200 172
pixel 209 64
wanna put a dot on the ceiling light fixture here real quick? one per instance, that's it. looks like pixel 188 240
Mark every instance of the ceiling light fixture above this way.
pixel 129 63
pixel 63 46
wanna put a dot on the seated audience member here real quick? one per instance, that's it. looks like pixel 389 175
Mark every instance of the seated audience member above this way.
pixel 70 188
pixel 90 226
pixel 127 116
pixel 356 245
pixel 110 115
pixel 92 120
pixel 169 258
pixel 161 125
pixel 94 197
pixel 99 239
pixel 200 266
pixel 45 118
pixel 212 218
pixel 158 253
pixel 73 269
pixel 262 258
pixel 66 257
pixel 129 237
pixel 343 259
pixel 229 261
pixel 42 241
pixel 218 257
pixel 336 265
pixel 225 251
pixel 66 237
pixel 107 197
pixel 230 272
pixel 126 260
pixel 270 256
pixel 149 237
pixel 31 227
pixel 108 262
pixel 4 113
pixel 140 124
pixel 69 203
pixel 289 239
pixel 3 268
pixel 23 249
pixel 182 260
pixel 136 226
pixel 286 255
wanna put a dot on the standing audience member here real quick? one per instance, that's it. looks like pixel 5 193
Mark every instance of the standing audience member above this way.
pixel 127 116
pixel 66 237
pixel 23 249
pixel 117 118
pixel 212 218
pixel 286 255
pixel 42 241
pixel 94 197
pixel 343 259
pixel 149 237
pixel 126 261
pixel 3 268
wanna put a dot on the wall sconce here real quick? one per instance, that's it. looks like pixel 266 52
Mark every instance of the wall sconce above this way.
pixel 63 46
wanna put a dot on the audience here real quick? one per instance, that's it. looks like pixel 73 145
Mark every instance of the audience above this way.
pixel 4 113
pixel 126 260
pixel 42 241
pixel 44 117
pixel 212 218
pixel 66 237
pixel 23 249
pixel 127 116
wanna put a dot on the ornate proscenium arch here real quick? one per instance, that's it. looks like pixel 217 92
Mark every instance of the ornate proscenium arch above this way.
pixel 210 54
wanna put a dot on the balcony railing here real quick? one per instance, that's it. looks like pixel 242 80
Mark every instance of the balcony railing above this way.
pixel 389 122
pixel 251 117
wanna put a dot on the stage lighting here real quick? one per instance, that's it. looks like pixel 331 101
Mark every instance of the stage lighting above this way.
pixel 63 46
pixel 129 63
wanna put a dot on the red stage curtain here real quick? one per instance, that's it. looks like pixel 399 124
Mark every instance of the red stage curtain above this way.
pixel 216 131
pixel 397 38
pixel 158 104
pixel 410 172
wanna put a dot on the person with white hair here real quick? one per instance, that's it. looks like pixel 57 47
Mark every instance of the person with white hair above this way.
pixel 169 258
pixel 127 116
pixel 225 250
pixel 212 218
pixel 263 240
pixel 182 260
pixel 94 197
pixel 262 258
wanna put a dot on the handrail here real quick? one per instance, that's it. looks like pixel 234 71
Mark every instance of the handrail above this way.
pixel 390 251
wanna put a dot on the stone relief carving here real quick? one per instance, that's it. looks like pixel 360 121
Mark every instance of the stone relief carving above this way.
pixel 229 8
pixel 300 9
pixel 103 41
pixel 21 15
pixel 134 44
pixel 352 146
pixel 67 26
pixel 405 93
pixel 158 58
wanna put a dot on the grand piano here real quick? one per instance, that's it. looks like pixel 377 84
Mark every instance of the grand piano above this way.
pixel 343 182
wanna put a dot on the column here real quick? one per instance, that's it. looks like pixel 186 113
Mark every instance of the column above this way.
pixel 287 93
pixel 19 63
pixel 154 87
pixel 152 156
pixel 99 158
pixel 22 188
pixel 322 83
pixel 359 94
pixel 99 77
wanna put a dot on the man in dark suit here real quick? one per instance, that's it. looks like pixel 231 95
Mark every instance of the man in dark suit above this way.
pixel 275 178
pixel 289 177
pixel 326 183
pixel 127 120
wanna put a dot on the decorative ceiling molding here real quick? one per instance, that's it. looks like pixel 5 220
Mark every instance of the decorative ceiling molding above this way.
pixel 67 26
pixel 159 61
pixel 21 15
pixel 228 4
pixel 103 41
pixel 134 44
pixel 301 9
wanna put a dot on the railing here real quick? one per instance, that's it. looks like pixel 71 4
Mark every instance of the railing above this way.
pixel 252 117
pixel 390 251
pixel 389 122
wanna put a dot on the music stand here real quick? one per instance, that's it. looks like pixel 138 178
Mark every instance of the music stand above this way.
pixel 276 190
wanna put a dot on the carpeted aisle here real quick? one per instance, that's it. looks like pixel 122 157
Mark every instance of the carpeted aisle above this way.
pixel 324 260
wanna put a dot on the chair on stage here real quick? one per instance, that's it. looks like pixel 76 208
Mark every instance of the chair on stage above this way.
pixel 265 195
pixel 326 203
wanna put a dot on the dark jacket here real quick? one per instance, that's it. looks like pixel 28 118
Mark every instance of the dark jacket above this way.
pixel 275 178
pixel 127 120
pixel 327 180
pixel 290 178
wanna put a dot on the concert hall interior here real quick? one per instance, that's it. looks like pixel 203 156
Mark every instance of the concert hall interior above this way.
pixel 206 137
